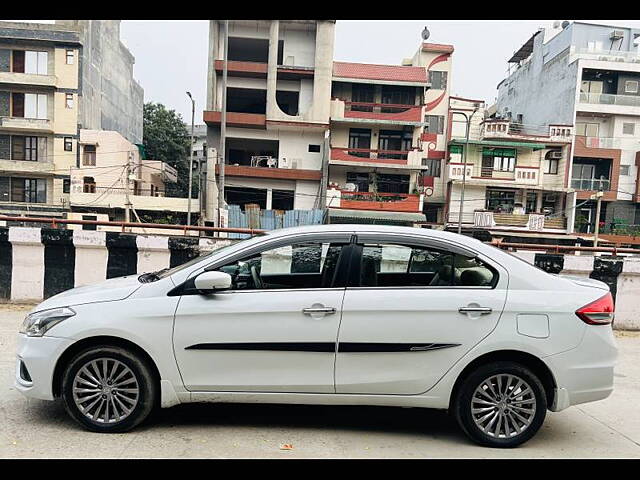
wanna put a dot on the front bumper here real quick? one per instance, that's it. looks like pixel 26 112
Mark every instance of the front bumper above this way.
pixel 39 356
pixel 585 373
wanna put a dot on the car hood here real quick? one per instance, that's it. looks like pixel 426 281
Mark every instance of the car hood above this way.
pixel 107 291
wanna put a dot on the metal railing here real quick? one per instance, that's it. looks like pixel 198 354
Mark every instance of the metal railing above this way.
pixel 590 184
pixel 560 248
pixel 55 222
pixel 610 99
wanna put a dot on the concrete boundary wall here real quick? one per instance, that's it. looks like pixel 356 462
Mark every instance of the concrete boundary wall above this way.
pixel 37 263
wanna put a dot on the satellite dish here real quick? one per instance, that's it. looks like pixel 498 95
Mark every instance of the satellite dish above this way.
pixel 565 24
pixel 425 33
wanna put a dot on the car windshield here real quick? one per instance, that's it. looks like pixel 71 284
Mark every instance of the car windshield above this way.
pixel 165 272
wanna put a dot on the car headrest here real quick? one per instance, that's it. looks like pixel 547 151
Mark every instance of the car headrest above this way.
pixel 476 277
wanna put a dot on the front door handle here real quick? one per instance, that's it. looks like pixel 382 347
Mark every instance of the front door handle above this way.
pixel 325 310
pixel 480 310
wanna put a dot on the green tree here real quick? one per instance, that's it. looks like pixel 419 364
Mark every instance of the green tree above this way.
pixel 166 138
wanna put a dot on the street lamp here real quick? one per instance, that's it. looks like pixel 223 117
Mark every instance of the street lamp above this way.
pixel 193 112
pixel 464 161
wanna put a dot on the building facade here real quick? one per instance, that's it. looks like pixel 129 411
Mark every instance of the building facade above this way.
pixel 39 94
pixel 585 75
pixel 513 181
pixel 112 174
pixel 278 101
pixel 376 161
pixel 111 98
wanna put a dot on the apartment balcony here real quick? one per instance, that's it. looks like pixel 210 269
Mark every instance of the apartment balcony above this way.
pixel 598 142
pixel 590 184
pixel 370 157
pixel 523 175
pixel 392 202
pixel 282 173
pixel 28 79
pixel 26 167
pixel 243 69
pixel 382 113
pixel 236 119
pixel 609 103
pixel 37 125
pixel 510 221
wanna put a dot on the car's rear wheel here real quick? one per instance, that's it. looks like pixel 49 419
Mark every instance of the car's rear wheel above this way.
pixel 501 404
pixel 108 389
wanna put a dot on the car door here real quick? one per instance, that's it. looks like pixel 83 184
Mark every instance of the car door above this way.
pixel 411 310
pixel 275 330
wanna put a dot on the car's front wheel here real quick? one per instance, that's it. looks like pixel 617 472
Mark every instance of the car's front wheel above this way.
pixel 108 389
pixel 501 404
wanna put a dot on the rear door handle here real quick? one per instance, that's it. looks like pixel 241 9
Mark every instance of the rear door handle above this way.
pixel 480 310
pixel 325 310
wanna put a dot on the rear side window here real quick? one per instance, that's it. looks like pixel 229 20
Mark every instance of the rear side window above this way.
pixel 394 265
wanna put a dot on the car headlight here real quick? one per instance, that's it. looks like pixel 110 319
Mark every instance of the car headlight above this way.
pixel 36 324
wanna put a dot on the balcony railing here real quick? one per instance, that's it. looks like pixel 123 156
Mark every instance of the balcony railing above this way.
pixel 396 202
pixel 370 155
pixel 610 99
pixel 598 142
pixel 590 184
pixel 608 55
pixel 382 111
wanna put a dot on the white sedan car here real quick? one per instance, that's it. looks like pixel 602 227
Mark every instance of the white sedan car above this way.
pixel 331 314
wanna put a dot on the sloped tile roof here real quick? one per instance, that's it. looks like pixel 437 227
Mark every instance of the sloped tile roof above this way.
pixel 370 71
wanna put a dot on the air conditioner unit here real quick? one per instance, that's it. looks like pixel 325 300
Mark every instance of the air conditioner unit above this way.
pixel 616 35
pixel 351 187
pixel 554 154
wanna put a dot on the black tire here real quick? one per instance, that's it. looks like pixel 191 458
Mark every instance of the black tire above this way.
pixel 146 398
pixel 463 404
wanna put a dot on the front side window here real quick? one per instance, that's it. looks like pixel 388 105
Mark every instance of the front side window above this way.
pixel 438 80
pixel 36 62
pixel 301 265
pixel 69 57
pixel 30 190
pixel 89 156
pixel 68 100
pixel 396 265
pixel 434 124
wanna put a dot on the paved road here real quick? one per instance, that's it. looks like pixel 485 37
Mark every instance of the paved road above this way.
pixel 38 429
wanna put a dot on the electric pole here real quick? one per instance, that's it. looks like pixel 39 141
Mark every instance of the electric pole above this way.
pixel 599 195
pixel 193 111
pixel 223 122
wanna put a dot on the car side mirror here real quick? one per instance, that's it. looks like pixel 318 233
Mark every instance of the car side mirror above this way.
pixel 212 281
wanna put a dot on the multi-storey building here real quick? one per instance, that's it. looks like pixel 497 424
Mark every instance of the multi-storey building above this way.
pixel 113 175
pixel 111 98
pixel 376 160
pixel 39 92
pixel 585 75
pixel 278 101
pixel 514 181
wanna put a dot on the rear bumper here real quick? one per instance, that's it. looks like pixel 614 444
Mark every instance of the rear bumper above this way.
pixel 39 356
pixel 585 373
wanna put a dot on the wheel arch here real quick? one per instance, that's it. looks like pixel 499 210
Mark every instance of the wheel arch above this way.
pixel 100 340
pixel 537 366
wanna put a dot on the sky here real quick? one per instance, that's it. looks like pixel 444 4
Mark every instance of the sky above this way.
pixel 171 55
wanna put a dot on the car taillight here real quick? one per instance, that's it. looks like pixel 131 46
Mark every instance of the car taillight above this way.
pixel 599 312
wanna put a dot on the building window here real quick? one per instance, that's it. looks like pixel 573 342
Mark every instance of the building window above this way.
pixel 66 185
pixel 90 226
pixel 631 86
pixel 501 159
pixel 28 190
pixel 360 138
pixel 431 167
pixel 89 156
pixel 587 129
pixel 628 128
pixel 88 185
pixel 69 57
pixel 392 183
pixel 360 180
pixel 68 101
pixel 29 105
pixel 31 148
pixel 438 80
pixel 314 148
pixel 435 124
pixel 624 170
pixel 68 144
pixel 500 200
pixel 36 63
pixel 552 166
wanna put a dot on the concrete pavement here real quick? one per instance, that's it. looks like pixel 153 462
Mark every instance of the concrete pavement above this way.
pixel 38 429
